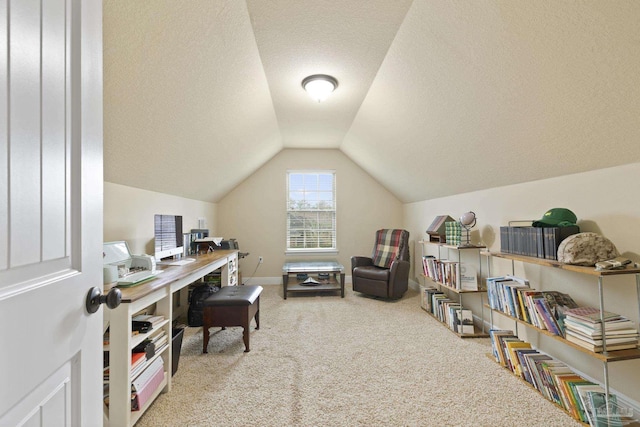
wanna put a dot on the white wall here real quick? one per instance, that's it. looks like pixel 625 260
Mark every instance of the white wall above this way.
pixel 255 211
pixel 129 211
pixel 605 201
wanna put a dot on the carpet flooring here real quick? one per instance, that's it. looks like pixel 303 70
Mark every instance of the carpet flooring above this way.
pixel 320 360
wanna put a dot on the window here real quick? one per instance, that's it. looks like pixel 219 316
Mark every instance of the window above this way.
pixel 311 210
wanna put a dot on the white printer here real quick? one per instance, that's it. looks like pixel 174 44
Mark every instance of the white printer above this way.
pixel 125 269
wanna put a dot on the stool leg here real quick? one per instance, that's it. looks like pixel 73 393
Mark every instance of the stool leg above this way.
pixel 246 321
pixel 205 338
pixel 245 338
pixel 257 316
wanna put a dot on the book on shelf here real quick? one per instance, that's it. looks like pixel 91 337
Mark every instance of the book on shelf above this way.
pixel 154 320
pixel 449 311
pixel 602 414
pixel 525 369
pixel 501 346
pixel 463 321
pixel 579 391
pixel 453 233
pixel 428 297
pixel 594 330
pixel 532 369
pixel 495 343
pixel 569 403
pixel 611 339
pixel 591 314
pixel 137 359
pixel 468 277
pixel 600 348
pixel 553 236
pixel 159 339
pixel 550 370
pixel 512 358
pixel 546 313
pixel 437 301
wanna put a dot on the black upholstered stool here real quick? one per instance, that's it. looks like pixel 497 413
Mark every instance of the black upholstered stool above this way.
pixel 231 306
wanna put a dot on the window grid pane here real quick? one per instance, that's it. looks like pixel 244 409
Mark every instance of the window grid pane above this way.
pixel 311 214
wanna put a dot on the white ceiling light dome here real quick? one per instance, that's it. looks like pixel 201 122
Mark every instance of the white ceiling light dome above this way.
pixel 319 86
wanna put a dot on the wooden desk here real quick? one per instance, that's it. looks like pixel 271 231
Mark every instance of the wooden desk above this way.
pixel 158 291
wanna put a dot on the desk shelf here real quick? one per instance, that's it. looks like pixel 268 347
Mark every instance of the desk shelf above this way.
pixel 156 296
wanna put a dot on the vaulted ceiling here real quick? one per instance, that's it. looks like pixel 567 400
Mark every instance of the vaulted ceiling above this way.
pixel 435 97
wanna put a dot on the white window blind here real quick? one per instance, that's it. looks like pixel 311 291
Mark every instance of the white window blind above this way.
pixel 311 210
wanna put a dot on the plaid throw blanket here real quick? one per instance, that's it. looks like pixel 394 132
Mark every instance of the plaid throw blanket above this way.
pixel 387 247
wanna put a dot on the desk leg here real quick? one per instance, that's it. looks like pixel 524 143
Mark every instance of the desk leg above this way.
pixel 342 284
pixel 285 280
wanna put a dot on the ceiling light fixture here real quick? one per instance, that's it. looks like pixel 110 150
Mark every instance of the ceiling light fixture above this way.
pixel 319 86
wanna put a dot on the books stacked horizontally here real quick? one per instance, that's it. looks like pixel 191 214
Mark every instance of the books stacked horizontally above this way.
pixel 146 322
pixel 584 328
pixel 453 233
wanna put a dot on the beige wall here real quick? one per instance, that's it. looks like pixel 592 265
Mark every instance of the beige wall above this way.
pixel 255 211
pixel 129 211
pixel 606 201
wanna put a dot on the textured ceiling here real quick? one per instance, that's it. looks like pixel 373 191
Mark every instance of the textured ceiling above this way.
pixel 435 98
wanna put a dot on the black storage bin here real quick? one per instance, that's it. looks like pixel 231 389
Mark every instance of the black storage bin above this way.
pixel 176 346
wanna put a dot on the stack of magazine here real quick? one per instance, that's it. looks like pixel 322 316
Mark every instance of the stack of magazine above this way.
pixel 584 327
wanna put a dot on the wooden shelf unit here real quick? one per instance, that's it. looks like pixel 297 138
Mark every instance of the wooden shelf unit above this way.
pixel 479 332
pixel 605 357
pixel 611 356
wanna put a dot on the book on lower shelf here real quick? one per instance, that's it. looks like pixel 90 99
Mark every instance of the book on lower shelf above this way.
pixel 463 321
pixel 555 380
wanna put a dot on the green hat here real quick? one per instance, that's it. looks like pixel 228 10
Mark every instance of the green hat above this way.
pixel 557 217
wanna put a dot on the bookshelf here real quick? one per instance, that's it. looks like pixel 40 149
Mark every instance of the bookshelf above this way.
pixel 589 273
pixel 155 297
pixel 449 262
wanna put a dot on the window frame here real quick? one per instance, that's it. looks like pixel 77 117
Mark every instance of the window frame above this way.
pixel 315 250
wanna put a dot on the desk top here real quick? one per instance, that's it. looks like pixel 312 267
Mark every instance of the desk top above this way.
pixel 173 273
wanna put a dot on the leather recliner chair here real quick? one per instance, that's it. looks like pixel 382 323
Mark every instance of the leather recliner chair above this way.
pixel 386 273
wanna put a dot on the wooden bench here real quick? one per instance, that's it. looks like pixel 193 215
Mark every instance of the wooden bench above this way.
pixel 231 306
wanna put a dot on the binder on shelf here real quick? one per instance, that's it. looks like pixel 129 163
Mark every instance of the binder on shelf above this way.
pixel 146 383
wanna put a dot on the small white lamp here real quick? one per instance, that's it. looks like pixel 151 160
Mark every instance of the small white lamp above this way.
pixel 319 86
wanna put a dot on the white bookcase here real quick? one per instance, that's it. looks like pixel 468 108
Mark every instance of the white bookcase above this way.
pixel 461 255
pixel 154 295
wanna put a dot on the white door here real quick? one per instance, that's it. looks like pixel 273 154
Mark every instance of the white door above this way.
pixel 50 212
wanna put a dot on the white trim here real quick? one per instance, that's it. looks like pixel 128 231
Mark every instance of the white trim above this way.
pixel 311 252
